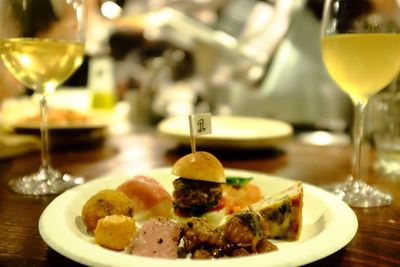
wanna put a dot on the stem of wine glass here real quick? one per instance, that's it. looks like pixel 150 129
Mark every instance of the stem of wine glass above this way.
pixel 359 117
pixel 355 191
pixel 44 131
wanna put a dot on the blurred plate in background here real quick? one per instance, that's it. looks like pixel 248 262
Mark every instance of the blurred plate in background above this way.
pixel 70 137
pixel 71 121
pixel 230 132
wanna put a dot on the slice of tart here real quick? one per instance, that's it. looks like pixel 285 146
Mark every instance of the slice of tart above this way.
pixel 283 212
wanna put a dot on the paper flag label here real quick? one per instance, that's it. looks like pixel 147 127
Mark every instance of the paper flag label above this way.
pixel 200 124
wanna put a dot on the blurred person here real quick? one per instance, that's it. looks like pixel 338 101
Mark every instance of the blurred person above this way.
pixel 296 86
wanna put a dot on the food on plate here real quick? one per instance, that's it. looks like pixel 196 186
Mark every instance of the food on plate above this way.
pixel 246 229
pixel 60 116
pixel 158 237
pixel 244 233
pixel 103 203
pixel 283 212
pixel 198 190
pixel 202 240
pixel 244 219
pixel 149 198
pixel 201 166
pixel 238 193
pixel 115 231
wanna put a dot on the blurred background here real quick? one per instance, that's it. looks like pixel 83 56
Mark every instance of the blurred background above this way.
pixel 231 57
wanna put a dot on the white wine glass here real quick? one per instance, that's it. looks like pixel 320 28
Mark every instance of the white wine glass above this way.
pixel 360 44
pixel 42 44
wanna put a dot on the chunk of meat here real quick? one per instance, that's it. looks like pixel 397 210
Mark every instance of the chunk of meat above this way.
pixel 244 233
pixel 199 234
pixel 246 229
pixel 194 198
pixel 201 254
pixel 158 237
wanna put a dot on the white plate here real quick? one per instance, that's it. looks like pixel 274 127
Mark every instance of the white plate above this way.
pixel 230 132
pixel 328 225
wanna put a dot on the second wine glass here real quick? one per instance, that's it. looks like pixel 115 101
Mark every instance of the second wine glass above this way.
pixel 361 51
pixel 42 44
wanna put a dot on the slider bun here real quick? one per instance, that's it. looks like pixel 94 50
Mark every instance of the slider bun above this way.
pixel 200 166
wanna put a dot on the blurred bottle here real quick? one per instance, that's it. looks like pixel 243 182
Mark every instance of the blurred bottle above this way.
pixel 101 82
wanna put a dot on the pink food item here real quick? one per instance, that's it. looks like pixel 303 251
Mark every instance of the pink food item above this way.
pixel 158 237
pixel 149 198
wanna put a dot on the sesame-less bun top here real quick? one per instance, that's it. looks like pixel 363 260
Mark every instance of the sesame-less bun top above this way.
pixel 200 166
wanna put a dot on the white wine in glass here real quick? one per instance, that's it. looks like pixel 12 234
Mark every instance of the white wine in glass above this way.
pixel 360 44
pixel 46 62
pixel 42 44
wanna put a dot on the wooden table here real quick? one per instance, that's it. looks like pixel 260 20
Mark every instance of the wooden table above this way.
pixel 377 242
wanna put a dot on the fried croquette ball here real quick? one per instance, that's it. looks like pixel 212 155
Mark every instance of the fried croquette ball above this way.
pixel 115 231
pixel 105 202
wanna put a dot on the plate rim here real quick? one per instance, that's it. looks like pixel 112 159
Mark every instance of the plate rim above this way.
pixel 59 126
pixel 337 206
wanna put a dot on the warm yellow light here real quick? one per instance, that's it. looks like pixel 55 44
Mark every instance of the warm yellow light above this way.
pixel 110 9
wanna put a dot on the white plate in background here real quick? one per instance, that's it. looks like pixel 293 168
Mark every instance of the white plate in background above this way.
pixel 328 225
pixel 230 132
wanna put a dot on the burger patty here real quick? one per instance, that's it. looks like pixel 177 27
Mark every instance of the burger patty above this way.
pixel 195 197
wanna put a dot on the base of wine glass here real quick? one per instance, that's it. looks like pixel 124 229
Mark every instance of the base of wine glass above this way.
pixel 360 194
pixel 46 181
